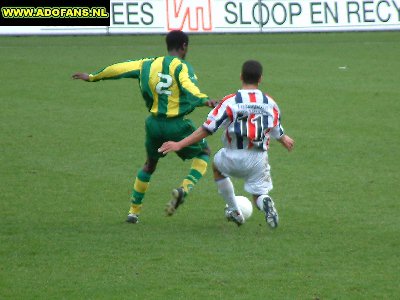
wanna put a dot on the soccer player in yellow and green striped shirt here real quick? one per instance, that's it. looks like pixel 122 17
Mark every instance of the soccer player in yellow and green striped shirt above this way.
pixel 170 91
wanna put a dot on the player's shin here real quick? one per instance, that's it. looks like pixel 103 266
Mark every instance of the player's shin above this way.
pixel 226 189
pixel 197 170
pixel 139 189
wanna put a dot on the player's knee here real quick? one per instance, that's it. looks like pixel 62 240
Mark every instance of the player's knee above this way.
pixel 150 166
pixel 217 174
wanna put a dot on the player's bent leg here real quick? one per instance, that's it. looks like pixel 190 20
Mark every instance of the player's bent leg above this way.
pixel 199 153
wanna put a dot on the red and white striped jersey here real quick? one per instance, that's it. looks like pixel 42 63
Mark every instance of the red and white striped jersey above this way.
pixel 249 118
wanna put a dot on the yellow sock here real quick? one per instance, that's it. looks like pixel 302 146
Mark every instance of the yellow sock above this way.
pixel 135 209
pixel 197 170
pixel 139 189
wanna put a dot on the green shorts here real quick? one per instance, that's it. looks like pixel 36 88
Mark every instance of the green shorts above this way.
pixel 160 130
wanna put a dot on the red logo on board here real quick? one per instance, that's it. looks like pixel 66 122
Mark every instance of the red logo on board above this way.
pixel 189 15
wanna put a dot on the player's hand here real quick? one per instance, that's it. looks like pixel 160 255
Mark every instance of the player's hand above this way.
pixel 169 147
pixel 81 76
pixel 211 103
pixel 287 142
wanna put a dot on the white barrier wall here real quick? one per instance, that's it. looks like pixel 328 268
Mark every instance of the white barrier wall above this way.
pixel 208 16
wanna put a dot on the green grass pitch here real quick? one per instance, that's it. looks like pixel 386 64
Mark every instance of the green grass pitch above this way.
pixel 70 150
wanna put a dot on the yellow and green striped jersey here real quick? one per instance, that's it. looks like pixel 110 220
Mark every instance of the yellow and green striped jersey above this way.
pixel 167 83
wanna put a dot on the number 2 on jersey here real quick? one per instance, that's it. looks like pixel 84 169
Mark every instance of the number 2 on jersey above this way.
pixel 162 88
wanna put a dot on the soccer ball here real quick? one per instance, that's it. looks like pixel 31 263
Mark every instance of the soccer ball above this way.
pixel 245 206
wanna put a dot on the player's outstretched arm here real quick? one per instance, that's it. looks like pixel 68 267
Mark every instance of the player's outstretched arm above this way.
pixel 128 69
pixel 81 76
pixel 195 137
pixel 287 142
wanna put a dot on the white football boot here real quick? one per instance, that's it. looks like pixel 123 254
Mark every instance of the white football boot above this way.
pixel 235 216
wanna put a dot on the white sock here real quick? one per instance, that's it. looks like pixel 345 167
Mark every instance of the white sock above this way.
pixel 260 203
pixel 225 188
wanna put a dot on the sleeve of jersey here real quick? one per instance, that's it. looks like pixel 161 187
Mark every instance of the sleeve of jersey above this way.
pixel 219 117
pixel 277 131
pixel 191 88
pixel 128 69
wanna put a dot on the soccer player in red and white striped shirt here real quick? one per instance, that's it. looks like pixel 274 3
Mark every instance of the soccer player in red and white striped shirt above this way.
pixel 249 119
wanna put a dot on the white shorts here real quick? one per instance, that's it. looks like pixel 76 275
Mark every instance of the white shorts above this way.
pixel 252 166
